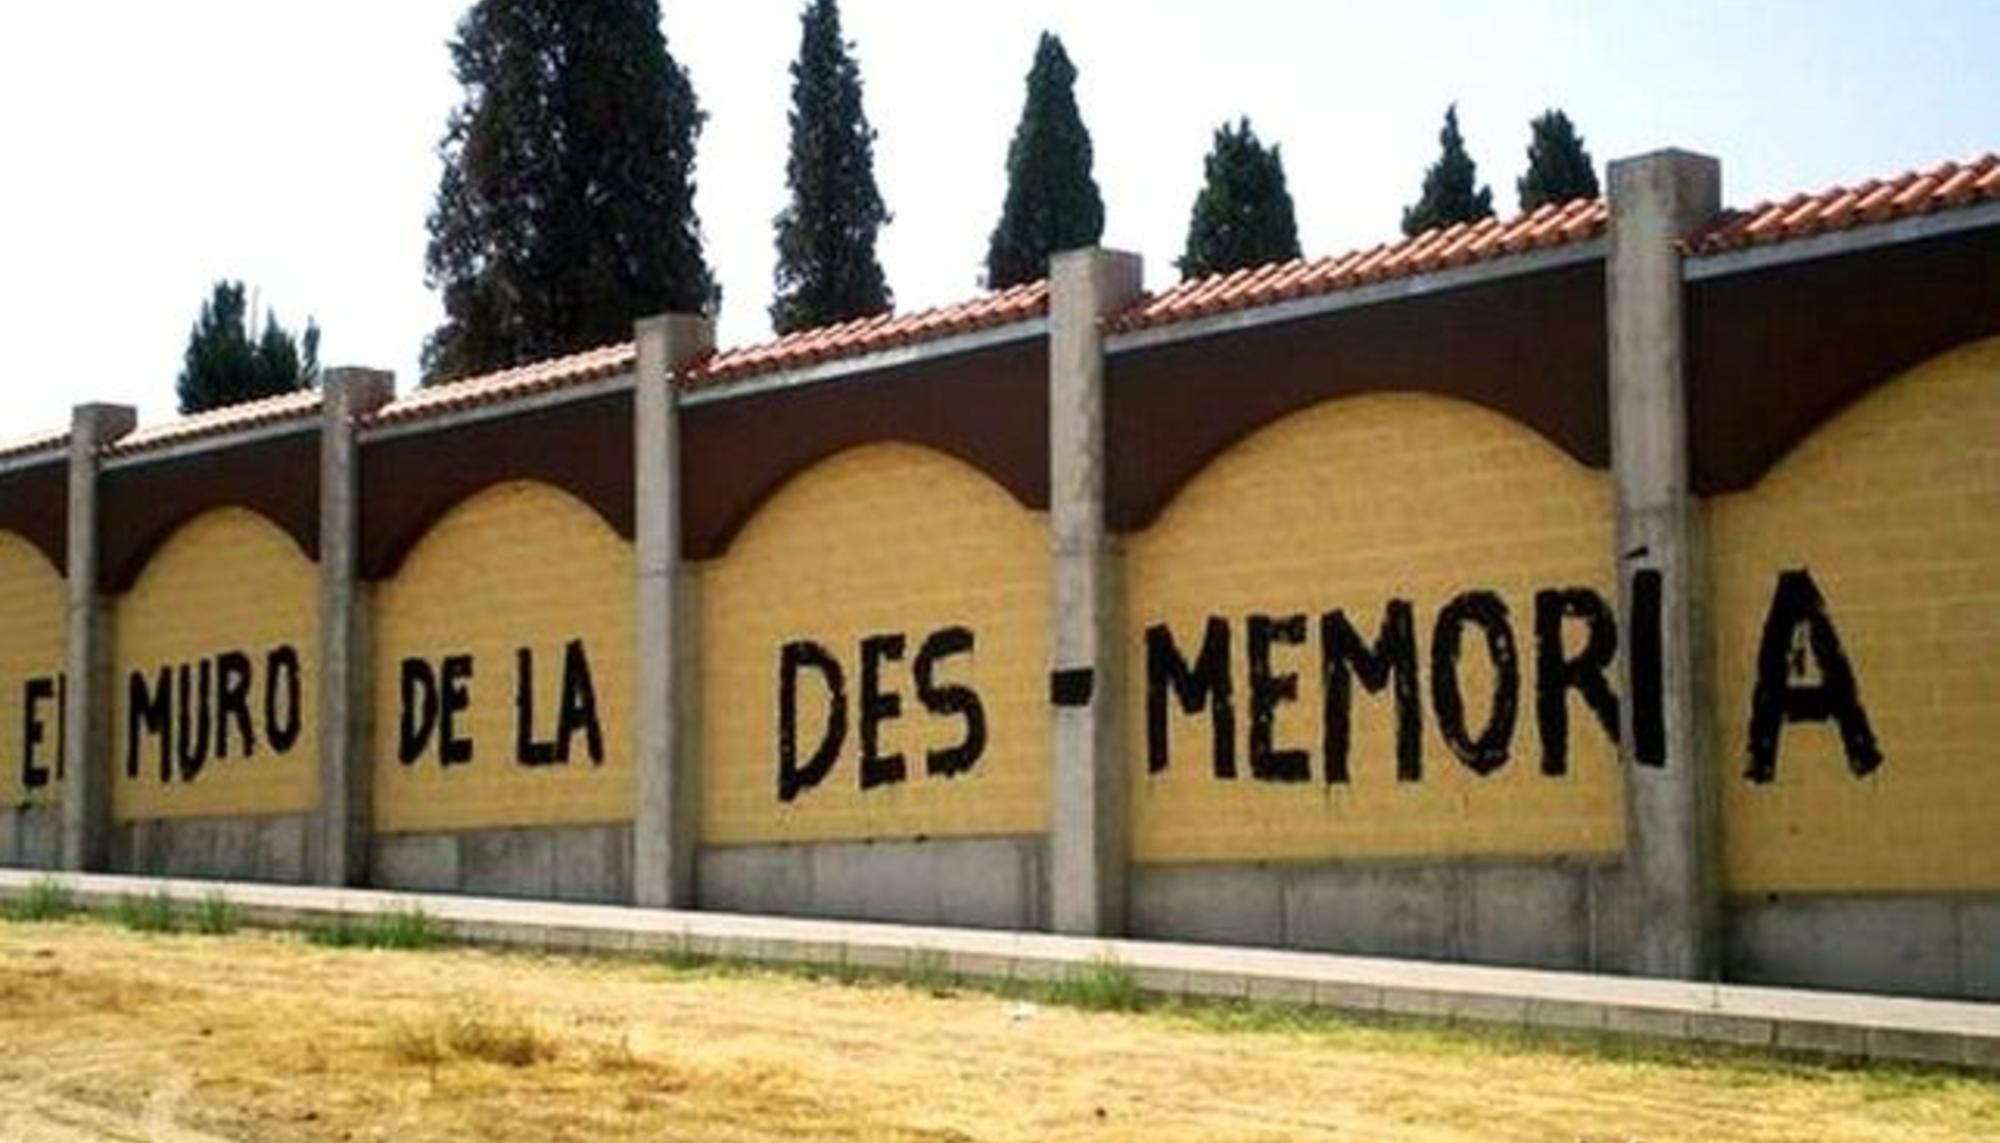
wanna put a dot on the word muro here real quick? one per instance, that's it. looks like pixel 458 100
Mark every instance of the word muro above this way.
pixel 191 712
pixel 875 706
pixel 1803 676
pixel 433 696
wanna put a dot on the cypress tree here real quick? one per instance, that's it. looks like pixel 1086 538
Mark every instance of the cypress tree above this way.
pixel 1449 193
pixel 566 205
pixel 1559 169
pixel 827 270
pixel 223 365
pixel 1052 202
pixel 1243 215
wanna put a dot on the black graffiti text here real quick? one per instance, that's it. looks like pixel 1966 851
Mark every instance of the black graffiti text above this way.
pixel 1575 640
pixel 808 670
pixel 1803 675
pixel 433 695
pixel 210 709
pixel 44 725
pixel 431 699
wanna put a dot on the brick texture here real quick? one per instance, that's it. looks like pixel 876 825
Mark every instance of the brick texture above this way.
pixel 881 539
pixel 520 565
pixel 1347 505
pixel 1894 509
pixel 226 580
pixel 32 607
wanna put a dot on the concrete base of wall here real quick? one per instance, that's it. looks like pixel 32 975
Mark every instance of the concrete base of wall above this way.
pixel 1942 945
pixel 31 837
pixel 1540 915
pixel 236 849
pixel 569 863
pixel 991 883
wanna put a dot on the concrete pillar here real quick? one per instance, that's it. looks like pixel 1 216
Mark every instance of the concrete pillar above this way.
pixel 663 827
pixel 1087 830
pixel 86 798
pixel 346 704
pixel 1671 891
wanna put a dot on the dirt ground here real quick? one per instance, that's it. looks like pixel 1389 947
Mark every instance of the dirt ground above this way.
pixel 114 1035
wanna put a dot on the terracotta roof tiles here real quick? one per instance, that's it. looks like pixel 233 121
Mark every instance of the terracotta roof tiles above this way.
pixel 873 335
pixel 1906 195
pixel 297 406
pixel 47 441
pixel 1458 245
pixel 806 347
pixel 507 384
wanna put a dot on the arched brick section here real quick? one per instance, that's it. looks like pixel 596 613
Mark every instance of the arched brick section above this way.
pixel 410 480
pixel 987 408
pixel 1530 347
pixel 141 504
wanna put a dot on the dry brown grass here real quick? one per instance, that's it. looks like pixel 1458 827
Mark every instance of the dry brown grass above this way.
pixel 114 1035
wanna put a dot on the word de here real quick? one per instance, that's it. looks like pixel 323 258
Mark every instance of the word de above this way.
pixel 188 710
pixel 433 696
pixel 874 707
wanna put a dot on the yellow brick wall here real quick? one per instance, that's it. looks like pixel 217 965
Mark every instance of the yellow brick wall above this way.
pixel 519 565
pixel 32 638
pixel 885 538
pixel 1894 508
pixel 227 580
pixel 1348 505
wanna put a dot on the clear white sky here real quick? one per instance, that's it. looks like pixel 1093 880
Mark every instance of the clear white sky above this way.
pixel 148 148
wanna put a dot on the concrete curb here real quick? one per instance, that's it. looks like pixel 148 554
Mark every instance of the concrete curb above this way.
pixel 1847 1026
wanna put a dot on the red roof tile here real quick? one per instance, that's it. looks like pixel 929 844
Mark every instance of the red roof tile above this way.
pixel 1836 208
pixel 873 335
pixel 1843 208
pixel 297 406
pixel 1433 250
pixel 508 384
pixel 806 347
pixel 48 441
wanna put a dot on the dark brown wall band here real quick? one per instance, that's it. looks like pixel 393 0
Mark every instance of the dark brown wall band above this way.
pixel 141 504
pixel 1774 353
pixel 988 408
pixel 34 504
pixel 1530 347
pixel 583 447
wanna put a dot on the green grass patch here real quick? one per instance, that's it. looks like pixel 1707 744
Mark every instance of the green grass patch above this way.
pixel 46 900
pixel 156 913
pixel 405 928
pixel 215 915
pixel 1103 985
pixel 929 970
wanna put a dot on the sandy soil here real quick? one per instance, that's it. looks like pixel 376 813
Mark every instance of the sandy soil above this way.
pixel 187 1039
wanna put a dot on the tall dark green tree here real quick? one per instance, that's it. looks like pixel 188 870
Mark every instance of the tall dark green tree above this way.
pixel 1559 169
pixel 1052 202
pixel 827 269
pixel 224 365
pixel 1451 191
pixel 1243 215
pixel 566 205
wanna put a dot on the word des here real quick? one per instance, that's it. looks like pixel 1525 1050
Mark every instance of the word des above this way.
pixel 806 666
